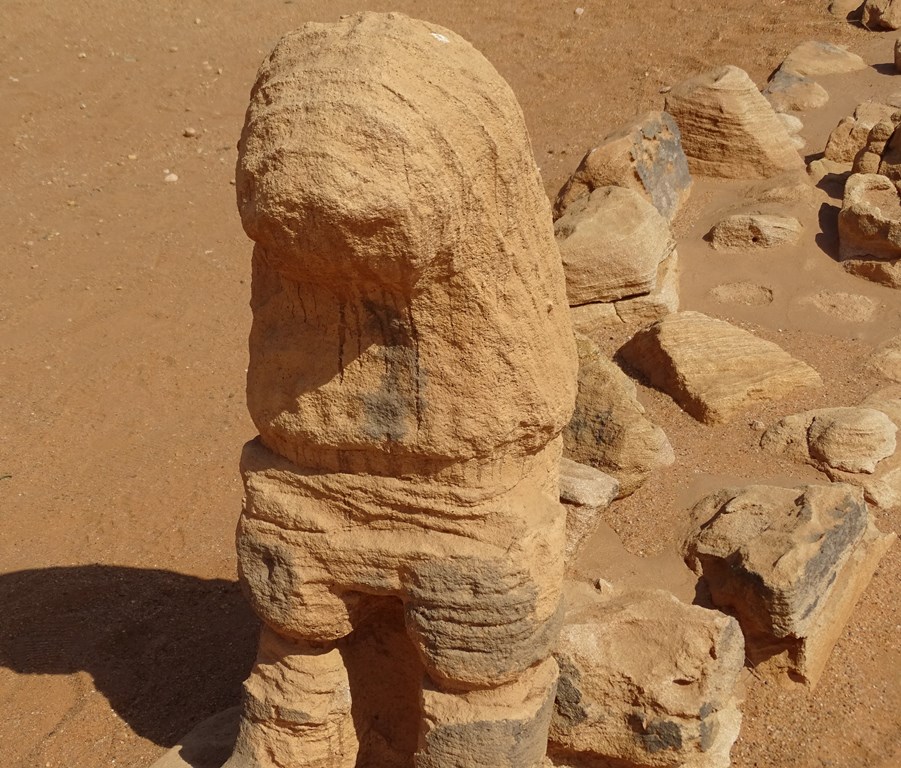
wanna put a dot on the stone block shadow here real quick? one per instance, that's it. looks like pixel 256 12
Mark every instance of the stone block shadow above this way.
pixel 167 649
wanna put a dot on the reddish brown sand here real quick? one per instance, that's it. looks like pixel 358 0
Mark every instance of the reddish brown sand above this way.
pixel 123 318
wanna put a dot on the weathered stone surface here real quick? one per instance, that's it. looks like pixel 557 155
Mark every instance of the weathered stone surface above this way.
pixel 886 359
pixel 819 57
pixel 609 429
pixel 868 159
pixel 853 445
pixel 897 56
pixel 890 160
pixel 787 92
pixel 881 14
pixel 645 155
pixel 822 168
pixel 728 128
pixel 850 135
pixel 753 231
pixel 645 680
pixel 869 229
pixel 393 466
pixel 612 243
pixel 585 492
pixel 713 369
pixel 789 564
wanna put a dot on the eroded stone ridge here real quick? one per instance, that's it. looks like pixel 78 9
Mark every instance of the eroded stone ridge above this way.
pixel 411 369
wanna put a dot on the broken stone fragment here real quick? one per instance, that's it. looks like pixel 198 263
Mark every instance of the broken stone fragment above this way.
pixel 645 680
pixel 868 159
pixel 645 155
pixel 850 10
pixel 728 128
pixel 585 493
pixel 753 231
pixel 789 564
pixel 869 229
pixel 788 92
pixel 612 243
pixel 609 429
pixel 713 369
pixel 819 57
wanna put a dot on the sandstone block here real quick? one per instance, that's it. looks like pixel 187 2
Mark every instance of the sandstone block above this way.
pixel 645 155
pixel 646 680
pixel 881 14
pixel 753 231
pixel 869 229
pixel 819 57
pixel 868 159
pixel 609 429
pixel 585 492
pixel 712 369
pixel 612 243
pixel 789 564
pixel 787 92
pixel 728 128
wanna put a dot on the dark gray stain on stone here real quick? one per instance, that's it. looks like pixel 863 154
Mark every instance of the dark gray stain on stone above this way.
pixel 656 734
pixel 569 711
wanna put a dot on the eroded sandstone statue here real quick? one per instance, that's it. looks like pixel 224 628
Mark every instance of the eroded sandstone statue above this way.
pixel 411 369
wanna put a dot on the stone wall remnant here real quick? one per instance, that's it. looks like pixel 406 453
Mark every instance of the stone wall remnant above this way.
pixel 411 369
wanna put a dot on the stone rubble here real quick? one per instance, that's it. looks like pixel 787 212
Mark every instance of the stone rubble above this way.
pixel 754 231
pixel 869 229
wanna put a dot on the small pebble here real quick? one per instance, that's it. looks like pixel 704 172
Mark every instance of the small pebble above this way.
pixel 170 177
pixel 757 425
pixel 580 11
pixel 189 133
pixel 82 55
pixel 666 89
pixel 132 157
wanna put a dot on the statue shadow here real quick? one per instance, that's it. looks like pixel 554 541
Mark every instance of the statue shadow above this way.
pixel 167 650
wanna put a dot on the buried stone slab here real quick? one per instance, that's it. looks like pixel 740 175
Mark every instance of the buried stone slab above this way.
pixel 819 57
pixel 729 129
pixel 645 155
pixel 754 231
pixel 789 564
pixel 645 681
pixel 869 229
pixel 713 369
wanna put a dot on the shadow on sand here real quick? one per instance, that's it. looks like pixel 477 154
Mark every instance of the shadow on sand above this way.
pixel 167 650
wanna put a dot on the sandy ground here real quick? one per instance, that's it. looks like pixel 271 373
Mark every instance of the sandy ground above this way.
pixel 123 324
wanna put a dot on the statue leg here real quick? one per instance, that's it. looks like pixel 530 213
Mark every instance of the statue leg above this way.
pixel 502 727
pixel 297 708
